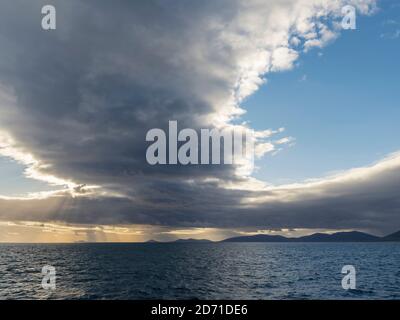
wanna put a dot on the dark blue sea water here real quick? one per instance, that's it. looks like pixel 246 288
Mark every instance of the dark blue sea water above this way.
pixel 201 271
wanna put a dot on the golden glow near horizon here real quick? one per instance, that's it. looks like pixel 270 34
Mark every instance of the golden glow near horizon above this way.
pixel 37 232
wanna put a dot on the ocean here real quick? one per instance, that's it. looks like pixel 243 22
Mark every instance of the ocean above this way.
pixel 200 270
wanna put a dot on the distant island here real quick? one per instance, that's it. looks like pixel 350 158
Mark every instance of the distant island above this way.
pixel 192 240
pixel 182 241
pixel 351 236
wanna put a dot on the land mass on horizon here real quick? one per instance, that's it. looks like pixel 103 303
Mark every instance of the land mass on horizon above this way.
pixel 350 236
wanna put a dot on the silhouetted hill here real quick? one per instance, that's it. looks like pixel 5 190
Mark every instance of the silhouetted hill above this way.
pixel 258 238
pixel 191 240
pixel 392 237
pixel 352 236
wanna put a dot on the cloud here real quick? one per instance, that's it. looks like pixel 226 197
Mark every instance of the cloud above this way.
pixel 77 102
pixel 362 198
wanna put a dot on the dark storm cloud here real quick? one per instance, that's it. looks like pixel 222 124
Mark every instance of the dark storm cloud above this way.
pixel 87 93
pixel 365 199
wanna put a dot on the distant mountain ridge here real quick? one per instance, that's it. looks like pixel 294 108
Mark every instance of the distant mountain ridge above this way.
pixel 392 237
pixel 258 238
pixel 351 236
pixel 192 240
pixel 182 241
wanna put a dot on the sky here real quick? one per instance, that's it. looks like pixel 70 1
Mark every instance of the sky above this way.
pixel 342 108
pixel 76 103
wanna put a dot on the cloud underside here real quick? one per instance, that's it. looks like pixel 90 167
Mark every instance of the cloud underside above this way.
pixel 364 198
pixel 77 102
